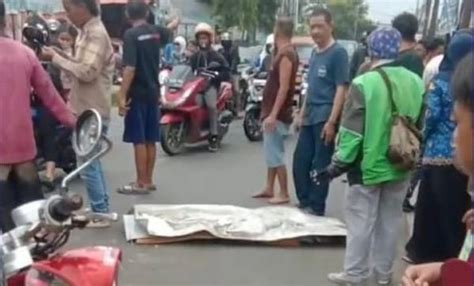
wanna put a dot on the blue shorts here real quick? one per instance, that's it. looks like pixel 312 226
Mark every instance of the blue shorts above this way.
pixel 142 123
pixel 274 145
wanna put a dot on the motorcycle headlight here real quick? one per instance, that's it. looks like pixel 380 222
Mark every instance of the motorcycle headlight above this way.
pixel 180 101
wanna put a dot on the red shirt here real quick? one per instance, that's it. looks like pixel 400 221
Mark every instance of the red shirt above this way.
pixel 20 72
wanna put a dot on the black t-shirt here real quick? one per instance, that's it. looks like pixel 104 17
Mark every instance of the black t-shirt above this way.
pixel 410 60
pixel 141 50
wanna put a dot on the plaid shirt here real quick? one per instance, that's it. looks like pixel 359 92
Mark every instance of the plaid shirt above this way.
pixel 91 69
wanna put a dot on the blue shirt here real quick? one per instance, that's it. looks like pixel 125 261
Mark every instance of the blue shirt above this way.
pixel 327 70
pixel 439 126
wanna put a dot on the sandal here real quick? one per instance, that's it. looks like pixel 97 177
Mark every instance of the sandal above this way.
pixel 151 188
pixel 133 189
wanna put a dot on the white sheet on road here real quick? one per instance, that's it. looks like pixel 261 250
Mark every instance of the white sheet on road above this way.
pixel 228 222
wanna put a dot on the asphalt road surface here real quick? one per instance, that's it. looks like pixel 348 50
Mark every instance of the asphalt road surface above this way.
pixel 198 177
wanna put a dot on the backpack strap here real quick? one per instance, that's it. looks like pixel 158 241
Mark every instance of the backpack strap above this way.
pixel 388 84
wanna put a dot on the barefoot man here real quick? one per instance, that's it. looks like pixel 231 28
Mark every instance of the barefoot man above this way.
pixel 277 111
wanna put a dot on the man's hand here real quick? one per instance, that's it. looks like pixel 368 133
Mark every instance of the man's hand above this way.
pixel 329 132
pixel 468 219
pixel 422 275
pixel 124 105
pixel 269 124
pixel 47 54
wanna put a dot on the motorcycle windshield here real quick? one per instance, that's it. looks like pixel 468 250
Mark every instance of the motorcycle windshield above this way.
pixel 179 76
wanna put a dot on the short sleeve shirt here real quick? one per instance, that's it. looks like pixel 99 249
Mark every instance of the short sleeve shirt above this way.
pixel 410 60
pixel 327 70
pixel 141 50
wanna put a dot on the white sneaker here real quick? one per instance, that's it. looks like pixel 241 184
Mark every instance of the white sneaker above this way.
pixel 99 224
pixel 383 282
pixel 345 280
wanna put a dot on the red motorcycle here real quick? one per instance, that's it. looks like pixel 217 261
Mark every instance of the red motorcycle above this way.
pixel 29 253
pixel 185 118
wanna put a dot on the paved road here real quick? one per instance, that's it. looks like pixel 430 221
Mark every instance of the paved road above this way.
pixel 229 177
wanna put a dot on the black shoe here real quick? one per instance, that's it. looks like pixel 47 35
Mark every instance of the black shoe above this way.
pixel 407 206
pixel 214 144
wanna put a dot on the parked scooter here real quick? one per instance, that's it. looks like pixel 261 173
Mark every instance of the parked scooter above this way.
pixel 253 107
pixel 29 252
pixel 185 119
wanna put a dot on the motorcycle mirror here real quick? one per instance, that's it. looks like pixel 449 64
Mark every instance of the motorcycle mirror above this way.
pixel 87 134
pixel 87 140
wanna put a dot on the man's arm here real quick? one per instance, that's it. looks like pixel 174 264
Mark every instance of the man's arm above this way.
pixel 130 62
pixel 339 100
pixel 341 78
pixel 341 74
pixel 173 25
pixel 286 68
pixel 48 94
pixel 90 66
pixel 352 129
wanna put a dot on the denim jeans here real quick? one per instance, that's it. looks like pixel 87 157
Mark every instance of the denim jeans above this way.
pixel 94 179
pixel 311 154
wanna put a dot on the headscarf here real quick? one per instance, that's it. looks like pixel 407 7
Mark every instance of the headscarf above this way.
pixel 462 43
pixel 384 43
pixel 182 44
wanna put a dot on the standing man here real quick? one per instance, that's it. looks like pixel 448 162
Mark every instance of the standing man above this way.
pixel 20 73
pixel 139 94
pixel 232 56
pixel 92 70
pixel 373 202
pixel 407 24
pixel 277 111
pixel 327 79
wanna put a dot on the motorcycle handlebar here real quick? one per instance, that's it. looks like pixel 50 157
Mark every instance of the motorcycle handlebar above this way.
pixel 62 209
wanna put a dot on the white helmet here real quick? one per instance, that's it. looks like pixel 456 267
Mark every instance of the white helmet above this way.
pixel 270 40
pixel 204 28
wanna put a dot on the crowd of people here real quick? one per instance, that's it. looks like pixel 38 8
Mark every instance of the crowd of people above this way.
pixel 386 120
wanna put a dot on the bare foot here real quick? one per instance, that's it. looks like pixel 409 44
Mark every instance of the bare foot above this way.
pixel 263 195
pixel 279 200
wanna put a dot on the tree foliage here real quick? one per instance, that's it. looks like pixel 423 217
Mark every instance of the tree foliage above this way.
pixel 350 16
pixel 247 15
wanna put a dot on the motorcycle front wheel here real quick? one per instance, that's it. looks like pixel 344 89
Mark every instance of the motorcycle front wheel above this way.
pixel 172 138
pixel 252 126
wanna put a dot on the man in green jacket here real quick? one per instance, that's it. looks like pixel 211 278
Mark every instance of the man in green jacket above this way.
pixel 373 203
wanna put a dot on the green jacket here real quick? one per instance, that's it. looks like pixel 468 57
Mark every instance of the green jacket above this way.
pixel 364 134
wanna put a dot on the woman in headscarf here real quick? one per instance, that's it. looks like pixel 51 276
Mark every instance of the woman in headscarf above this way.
pixel 179 52
pixel 442 200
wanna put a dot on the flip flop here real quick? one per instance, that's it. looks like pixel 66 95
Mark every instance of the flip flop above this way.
pixel 151 188
pixel 262 195
pixel 279 201
pixel 133 189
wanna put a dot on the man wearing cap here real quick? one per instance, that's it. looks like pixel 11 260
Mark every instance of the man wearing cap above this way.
pixel 373 201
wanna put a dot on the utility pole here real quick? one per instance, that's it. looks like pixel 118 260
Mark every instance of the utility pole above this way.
pixel 427 15
pixel 466 14
pixel 297 13
pixel 434 19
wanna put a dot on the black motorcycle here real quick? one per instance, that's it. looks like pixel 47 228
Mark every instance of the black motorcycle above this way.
pixel 253 107
pixel 37 35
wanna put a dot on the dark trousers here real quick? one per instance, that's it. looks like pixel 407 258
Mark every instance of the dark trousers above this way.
pixel 311 154
pixel 48 127
pixel 443 200
pixel 18 186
